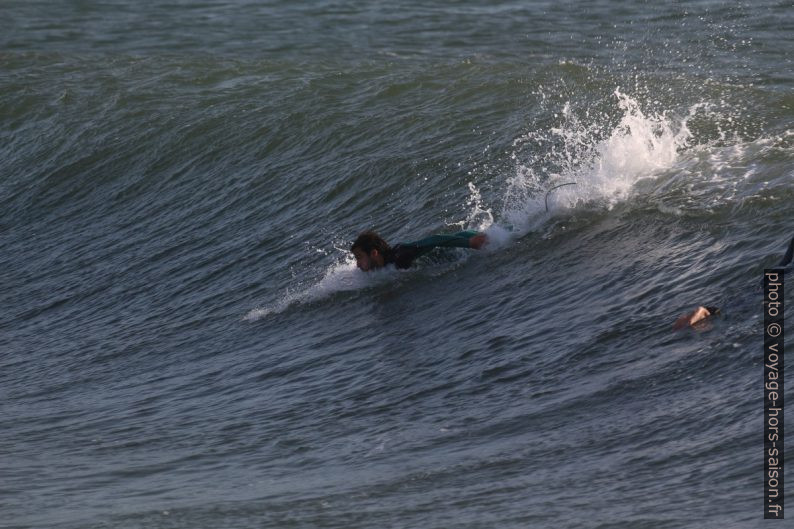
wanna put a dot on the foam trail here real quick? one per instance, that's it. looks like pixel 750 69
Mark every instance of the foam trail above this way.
pixel 341 277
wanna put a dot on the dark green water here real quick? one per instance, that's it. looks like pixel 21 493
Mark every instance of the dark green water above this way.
pixel 185 340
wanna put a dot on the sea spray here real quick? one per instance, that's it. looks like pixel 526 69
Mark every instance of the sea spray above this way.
pixel 480 216
pixel 339 277
pixel 605 162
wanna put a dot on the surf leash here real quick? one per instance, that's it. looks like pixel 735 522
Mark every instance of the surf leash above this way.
pixel 552 189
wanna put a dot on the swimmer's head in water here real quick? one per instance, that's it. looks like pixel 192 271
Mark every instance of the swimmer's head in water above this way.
pixel 370 250
pixel 714 311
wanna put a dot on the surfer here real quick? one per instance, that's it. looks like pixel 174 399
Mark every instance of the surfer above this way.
pixel 697 319
pixel 372 252
pixel 787 258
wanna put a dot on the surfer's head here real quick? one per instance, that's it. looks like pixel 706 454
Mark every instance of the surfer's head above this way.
pixel 370 250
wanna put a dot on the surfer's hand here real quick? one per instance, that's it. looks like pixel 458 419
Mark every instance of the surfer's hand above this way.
pixel 700 313
pixel 477 241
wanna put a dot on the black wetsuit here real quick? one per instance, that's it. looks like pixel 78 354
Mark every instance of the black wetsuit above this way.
pixel 787 258
pixel 783 266
pixel 402 255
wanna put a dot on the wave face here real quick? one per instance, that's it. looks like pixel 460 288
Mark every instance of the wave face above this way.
pixel 185 340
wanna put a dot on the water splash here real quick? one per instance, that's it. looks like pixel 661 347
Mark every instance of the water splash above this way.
pixel 480 217
pixel 340 277
pixel 605 161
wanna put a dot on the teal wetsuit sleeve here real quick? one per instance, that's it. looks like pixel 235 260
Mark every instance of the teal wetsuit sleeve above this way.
pixel 404 253
pixel 456 240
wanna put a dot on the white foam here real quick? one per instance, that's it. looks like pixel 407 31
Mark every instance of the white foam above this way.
pixel 480 217
pixel 340 277
pixel 605 163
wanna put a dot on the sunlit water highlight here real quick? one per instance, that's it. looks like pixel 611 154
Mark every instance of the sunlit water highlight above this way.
pixel 185 340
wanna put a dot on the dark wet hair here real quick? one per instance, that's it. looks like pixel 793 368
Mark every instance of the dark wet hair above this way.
pixel 713 310
pixel 368 241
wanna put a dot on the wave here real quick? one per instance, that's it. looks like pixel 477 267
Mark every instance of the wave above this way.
pixel 605 158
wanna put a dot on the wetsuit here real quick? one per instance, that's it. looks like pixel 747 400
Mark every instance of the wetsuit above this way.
pixel 788 257
pixel 404 253
pixel 783 266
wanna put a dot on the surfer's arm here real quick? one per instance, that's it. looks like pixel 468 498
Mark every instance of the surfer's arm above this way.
pixel 462 239
pixel 403 254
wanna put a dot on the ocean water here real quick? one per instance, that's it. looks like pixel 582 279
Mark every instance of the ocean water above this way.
pixel 185 341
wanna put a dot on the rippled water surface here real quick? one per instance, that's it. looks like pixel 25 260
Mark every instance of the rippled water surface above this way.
pixel 185 340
